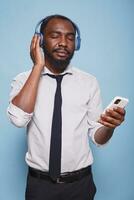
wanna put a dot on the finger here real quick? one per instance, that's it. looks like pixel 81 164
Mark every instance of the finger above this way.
pixel 120 110
pixel 114 114
pixel 106 124
pixel 33 42
pixel 37 48
pixel 33 46
pixel 112 120
pixel 37 45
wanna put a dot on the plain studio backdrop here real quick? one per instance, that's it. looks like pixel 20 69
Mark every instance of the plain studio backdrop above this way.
pixel 107 51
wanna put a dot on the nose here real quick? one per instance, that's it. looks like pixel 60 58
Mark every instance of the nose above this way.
pixel 63 41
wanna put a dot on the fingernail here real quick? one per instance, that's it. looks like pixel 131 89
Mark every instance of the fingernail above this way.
pixel 115 108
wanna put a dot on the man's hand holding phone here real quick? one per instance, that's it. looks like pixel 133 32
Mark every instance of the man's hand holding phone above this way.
pixel 114 114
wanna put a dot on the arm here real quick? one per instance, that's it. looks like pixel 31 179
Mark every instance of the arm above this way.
pixel 111 119
pixel 26 98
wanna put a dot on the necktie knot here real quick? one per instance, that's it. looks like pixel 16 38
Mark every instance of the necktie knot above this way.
pixel 57 77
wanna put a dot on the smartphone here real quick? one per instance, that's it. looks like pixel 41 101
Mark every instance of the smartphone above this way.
pixel 117 102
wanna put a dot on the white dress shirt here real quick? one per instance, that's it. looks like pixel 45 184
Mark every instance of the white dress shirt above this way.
pixel 81 107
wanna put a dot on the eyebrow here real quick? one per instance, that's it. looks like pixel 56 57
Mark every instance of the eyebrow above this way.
pixel 61 32
pixel 58 31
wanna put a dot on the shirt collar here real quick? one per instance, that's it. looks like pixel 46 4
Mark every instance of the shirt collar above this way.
pixel 68 70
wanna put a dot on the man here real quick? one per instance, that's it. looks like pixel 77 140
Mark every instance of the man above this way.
pixel 59 156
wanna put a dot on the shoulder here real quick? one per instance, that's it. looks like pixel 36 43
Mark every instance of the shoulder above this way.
pixel 83 75
pixel 22 77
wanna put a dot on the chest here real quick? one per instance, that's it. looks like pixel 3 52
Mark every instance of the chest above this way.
pixel 74 93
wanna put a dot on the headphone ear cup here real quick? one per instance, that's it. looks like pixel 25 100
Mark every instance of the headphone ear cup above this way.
pixel 41 41
pixel 77 43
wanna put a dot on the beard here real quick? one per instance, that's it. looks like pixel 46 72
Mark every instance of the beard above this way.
pixel 58 64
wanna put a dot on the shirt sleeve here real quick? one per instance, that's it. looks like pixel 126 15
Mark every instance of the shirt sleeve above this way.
pixel 16 115
pixel 94 110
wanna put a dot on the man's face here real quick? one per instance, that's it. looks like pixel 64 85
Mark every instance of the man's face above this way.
pixel 59 45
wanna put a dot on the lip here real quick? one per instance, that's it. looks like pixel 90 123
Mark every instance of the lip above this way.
pixel 61 53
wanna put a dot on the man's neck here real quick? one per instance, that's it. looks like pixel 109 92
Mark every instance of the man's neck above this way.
pixel 56 69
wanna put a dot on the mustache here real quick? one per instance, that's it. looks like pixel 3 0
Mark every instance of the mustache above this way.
pixel 61 49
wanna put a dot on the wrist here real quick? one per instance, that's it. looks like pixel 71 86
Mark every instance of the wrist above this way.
pixel 108 129
pixel 39 67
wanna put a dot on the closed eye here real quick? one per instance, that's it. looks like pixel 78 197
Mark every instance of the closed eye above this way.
pixel 54 35
pixel 71 36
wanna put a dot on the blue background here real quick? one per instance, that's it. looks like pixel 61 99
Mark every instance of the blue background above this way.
pixel 107 51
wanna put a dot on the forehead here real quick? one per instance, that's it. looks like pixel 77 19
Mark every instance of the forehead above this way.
pixel 57 24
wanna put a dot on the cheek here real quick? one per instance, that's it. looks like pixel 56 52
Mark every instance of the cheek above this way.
pixel 50 44
pixel 48 47
pixel 71 46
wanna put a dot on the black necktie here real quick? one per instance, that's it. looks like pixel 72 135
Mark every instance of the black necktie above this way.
pixel 55 144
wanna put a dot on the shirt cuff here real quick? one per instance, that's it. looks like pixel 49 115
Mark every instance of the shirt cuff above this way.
pixel 17 116
pixel 92 130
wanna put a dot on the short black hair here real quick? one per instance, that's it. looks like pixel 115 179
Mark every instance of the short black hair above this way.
pixel 56 16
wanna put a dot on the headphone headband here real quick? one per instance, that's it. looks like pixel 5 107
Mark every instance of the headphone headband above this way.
pixel 46 19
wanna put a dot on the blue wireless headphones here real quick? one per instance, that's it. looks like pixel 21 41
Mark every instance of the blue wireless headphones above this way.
pixel 37 30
